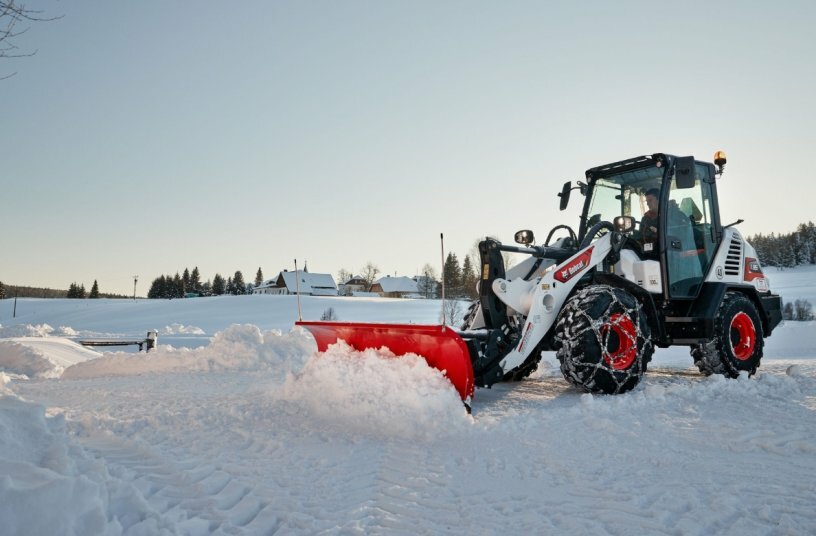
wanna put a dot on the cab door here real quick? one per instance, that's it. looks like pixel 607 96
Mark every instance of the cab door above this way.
pixel 690 231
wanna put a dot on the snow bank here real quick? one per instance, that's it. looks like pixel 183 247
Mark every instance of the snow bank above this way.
pixel 181 329
pixel 375 393
pixel 239 347
pixel 38 330
pixel 37 357
pixel 39 465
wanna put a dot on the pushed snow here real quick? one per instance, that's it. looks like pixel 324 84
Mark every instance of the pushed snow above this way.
pixel 36 357
pixel 49 484
pixel 375 393
pixel 239 347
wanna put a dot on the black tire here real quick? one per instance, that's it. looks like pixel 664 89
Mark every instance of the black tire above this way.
pixel 738 339
pixel 525 369
pixel 603 340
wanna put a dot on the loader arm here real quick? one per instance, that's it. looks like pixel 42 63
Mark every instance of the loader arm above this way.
pixel 541 300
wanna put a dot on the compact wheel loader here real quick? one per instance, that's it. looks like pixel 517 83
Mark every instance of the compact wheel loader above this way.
pixel 640 273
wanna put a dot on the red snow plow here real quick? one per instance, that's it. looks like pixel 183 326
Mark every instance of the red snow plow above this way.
pixel 604 298
pixel 440 346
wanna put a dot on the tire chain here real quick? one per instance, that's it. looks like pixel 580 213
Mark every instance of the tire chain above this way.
pixel 577 306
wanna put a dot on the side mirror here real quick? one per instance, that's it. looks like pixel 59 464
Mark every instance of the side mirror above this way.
pixel 525 237
pixel 685 172
pixel 564 195
pixel 624 224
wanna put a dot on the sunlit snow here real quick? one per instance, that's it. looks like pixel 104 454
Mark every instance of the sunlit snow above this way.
pixel 235 425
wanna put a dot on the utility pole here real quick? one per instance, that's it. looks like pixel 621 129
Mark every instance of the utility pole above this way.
pixel 135 279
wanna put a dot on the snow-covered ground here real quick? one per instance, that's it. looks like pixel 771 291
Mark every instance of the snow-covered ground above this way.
pixel 234 426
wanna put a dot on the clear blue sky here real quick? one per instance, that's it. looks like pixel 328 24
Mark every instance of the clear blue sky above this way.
pixel 146 137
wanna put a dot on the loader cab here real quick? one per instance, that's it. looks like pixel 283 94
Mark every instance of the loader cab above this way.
pixel 682 234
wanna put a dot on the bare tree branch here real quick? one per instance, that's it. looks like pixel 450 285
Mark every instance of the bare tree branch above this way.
pixel 12 15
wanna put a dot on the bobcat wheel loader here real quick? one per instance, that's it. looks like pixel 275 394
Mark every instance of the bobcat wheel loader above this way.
pixel 603 298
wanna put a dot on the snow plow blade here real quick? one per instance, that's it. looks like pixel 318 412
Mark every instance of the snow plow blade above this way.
pixel 441 346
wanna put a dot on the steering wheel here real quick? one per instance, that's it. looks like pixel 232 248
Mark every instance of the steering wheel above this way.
pixel 554 229
pixel 593 231
pixel 634 244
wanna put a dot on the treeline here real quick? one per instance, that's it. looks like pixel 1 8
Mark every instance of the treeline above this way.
pixel 189 283
pixel 74 291
pixel 787 250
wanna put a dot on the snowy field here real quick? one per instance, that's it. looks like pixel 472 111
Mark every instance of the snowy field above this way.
pixel 234 426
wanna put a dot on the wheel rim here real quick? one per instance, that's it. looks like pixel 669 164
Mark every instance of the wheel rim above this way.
pixel 620 341
pixel 743 336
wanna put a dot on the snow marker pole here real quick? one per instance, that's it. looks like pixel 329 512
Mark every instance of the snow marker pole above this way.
pixel 442 244
pixel 297 287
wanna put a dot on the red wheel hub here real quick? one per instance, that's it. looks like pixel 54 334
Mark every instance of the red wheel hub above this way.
pixel 743 336
pixel 620 340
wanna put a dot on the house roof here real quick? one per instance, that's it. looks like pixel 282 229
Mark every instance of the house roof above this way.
pixel 397 284
pixel 310 283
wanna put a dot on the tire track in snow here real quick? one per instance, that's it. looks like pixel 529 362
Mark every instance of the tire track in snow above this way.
pixel 411 485
pixel 192 494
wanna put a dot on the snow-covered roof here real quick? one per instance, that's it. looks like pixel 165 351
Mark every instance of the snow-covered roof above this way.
pixel 309 283
pixel 397 284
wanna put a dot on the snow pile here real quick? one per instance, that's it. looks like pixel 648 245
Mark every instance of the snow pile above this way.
pixel 26 330
pixel 75 494
pixel 38 357
pixel 38 330
pixel 20 359
pixel 181 329
pixel 373 392
pixel 239 347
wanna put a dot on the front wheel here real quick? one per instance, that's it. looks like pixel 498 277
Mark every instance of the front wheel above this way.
pixel 603 340
pixel 738 339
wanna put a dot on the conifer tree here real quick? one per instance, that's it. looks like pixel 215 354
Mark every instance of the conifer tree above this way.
pixel 195 280
pixel 2 291
pixel 185 277
pixel 258 278
pixel 155 291
pixel 452 276
pixel 219 286
pixel 238 285
pixel 81 291
pixel 469 279
pixel 177 289
pixel 94 291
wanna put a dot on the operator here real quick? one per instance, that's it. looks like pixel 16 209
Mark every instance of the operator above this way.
pixel 649 225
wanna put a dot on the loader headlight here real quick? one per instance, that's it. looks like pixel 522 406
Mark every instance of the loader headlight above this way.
pixel 624 224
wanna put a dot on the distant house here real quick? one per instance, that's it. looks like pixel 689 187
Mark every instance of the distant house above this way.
pixel 308 284
pixel 353 286
pixel 395 287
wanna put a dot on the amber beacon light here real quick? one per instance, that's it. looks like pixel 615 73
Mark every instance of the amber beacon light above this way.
pixel 719 161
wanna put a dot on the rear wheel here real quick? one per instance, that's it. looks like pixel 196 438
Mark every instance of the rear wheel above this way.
pixel 738 339
pixel 603 340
